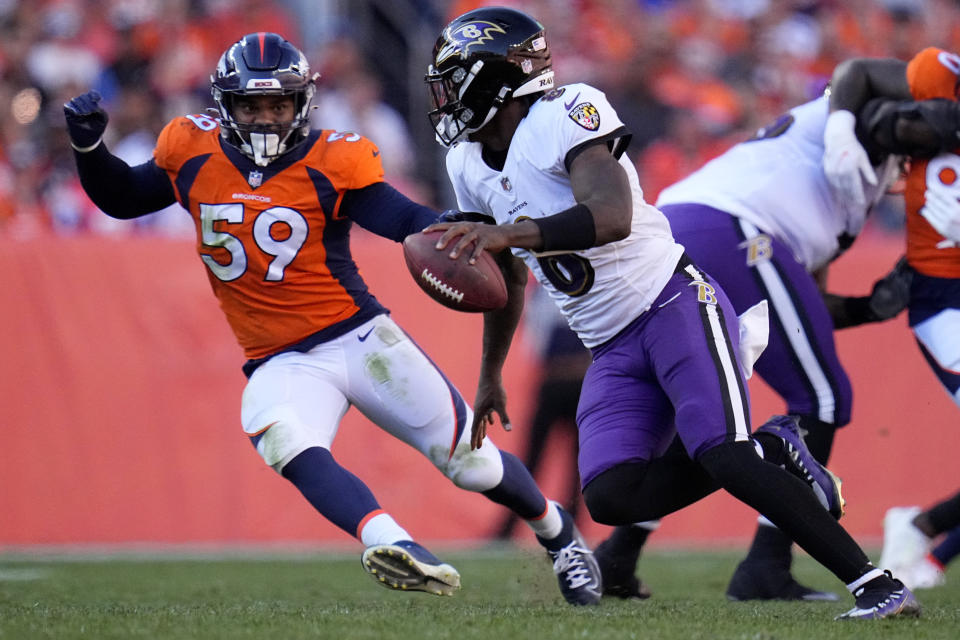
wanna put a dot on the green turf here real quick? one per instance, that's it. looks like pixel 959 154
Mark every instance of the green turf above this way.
pixel 506 594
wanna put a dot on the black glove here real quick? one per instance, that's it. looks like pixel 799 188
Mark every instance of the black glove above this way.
pixel 891 293
pixel 453 215
pixel 86 121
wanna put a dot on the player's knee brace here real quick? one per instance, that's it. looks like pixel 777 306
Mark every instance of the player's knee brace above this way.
pixel 477 470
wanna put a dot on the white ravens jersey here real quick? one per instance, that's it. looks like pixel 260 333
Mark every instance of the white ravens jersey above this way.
pixel 775 181
pixel 599 290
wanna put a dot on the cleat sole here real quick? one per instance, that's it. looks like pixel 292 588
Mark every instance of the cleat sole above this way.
pixel 394 568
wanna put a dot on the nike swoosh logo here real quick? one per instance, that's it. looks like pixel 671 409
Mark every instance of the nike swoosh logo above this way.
pixel 376 153
pixel 251 435
pixel 569 105
pixel 366 335
pixel 661 306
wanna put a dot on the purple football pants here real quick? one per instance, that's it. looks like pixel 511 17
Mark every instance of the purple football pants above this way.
pixel 800 362
pixel 674 370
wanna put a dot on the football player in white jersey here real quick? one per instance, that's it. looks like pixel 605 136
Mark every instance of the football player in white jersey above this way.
pixel 663 417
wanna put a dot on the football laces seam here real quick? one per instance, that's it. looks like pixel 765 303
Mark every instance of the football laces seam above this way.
pixel 441 286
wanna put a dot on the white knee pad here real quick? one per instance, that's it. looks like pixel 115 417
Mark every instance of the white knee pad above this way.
pixel 284 436
pixel 478 470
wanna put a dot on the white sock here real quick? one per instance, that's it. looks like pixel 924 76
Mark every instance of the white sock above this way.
pixel 864 579
pixel 549 524
pixel 382 529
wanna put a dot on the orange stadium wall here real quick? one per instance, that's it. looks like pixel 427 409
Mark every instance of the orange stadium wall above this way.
pixel 120 394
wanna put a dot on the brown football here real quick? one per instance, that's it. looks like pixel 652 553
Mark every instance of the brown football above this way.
pixel 456 284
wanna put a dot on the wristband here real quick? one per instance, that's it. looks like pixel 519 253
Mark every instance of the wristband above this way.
pixel 87 149
pixel 570 230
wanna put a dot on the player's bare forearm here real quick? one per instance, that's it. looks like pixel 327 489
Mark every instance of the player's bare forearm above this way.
pixel 499 328
pixel 856 81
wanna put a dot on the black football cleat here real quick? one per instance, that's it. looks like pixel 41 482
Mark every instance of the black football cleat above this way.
pixel 618 573
pixel 888 601
pixel 757 581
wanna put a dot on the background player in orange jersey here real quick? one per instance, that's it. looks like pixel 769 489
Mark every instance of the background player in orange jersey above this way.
pixel 273 202
pixel 933 251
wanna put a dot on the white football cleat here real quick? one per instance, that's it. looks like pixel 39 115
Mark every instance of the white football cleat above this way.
pixel 904 545
pixel 926 574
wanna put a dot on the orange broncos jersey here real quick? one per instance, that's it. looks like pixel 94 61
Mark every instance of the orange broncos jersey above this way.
pixel 932 73
pixel 276 251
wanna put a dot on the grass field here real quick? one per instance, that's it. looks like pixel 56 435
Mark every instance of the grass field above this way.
pixel 507 593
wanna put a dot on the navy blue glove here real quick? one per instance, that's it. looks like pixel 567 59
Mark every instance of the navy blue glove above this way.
pixel 453 215
pixel 86 121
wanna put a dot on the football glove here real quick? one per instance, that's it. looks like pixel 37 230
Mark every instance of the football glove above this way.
pixel 86 121
pixel 845 161
pixel 942 211
pixel 891 293
pixel 453 215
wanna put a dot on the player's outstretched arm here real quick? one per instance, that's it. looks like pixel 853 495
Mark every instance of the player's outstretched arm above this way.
pixel 119 190
pixel 498 329
pixel 857 80
pixel 889 296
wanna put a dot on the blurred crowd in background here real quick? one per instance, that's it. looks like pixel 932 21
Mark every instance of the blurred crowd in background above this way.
pixel 689 77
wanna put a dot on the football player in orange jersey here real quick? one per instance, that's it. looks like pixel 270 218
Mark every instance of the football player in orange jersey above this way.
pixel 273 202
pixel 933 252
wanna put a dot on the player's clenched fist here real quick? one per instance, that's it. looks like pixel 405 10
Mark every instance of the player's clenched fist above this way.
pixel 86 121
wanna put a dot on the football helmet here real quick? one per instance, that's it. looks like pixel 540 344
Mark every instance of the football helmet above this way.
pixel 481 59
pixel 263 64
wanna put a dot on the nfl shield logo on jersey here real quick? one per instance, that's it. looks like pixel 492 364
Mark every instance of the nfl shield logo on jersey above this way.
pixel 505 183
pixel 255 179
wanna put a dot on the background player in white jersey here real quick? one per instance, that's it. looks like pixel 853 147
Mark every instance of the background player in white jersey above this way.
pixel 765 222
pixel 933 247
pixel 317 341
pixel 547 165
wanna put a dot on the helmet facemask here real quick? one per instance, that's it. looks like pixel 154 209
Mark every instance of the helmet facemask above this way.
pixel 458 111
pixel 265 142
